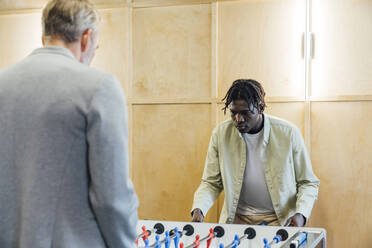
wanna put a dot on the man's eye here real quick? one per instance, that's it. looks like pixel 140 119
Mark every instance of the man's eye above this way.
pixel 245 112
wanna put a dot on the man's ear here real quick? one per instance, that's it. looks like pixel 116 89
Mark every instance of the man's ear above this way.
pixel 261 107
pixel 85 39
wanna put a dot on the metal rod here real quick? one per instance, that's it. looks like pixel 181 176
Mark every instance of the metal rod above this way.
pixel 206 238
pixel 200 240
pixel 240 239
pixel 191 246
pixel 143 234
pixel 171 237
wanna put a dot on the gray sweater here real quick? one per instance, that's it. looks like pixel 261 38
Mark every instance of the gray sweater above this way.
pixel 64 176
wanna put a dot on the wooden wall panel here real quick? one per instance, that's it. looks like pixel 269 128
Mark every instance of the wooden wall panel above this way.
pixel 22 4
pixel 262 40
pixel 220 114
pixel 19 36
pixel 38 4
pixel 170 143
pixel 343 56
pixel 111 55
pixel 341 156
pixel 293 112
pixel 109 2
pixel 172 52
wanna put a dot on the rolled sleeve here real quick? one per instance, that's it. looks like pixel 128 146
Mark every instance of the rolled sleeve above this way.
pixel 211 185
pixel 307 182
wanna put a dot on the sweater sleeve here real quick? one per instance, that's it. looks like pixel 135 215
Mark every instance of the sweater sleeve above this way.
pixel 111 191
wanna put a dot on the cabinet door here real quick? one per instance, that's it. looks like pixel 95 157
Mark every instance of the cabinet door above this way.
pixel 262 40
pixel 341 156
pixel 169 143
pixel 113 44
pixel 172 52
pixel 38 4
pixel 342 63
pixel 341 142
pixel 14 31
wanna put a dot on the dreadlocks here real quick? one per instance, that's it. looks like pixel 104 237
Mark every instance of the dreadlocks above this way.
pixel 248 90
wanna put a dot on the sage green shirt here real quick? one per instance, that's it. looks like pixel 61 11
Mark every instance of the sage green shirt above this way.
pixel 292 184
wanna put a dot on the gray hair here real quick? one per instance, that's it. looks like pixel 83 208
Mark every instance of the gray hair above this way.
pixel 68 19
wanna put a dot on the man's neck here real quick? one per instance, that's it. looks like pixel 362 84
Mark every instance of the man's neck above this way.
pixel 74 47
pixel 259 125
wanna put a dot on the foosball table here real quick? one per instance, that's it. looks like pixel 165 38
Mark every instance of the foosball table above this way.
pixel 169 234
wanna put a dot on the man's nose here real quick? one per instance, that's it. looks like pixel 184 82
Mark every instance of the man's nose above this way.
pixel 239 118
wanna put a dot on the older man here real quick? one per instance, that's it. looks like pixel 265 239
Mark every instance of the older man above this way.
pixel 64 153
pixel 261 163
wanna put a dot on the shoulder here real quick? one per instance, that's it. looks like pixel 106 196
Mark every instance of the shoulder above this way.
pixel 224 126
pixel 108 87
pixel 96 75
pixel 285 130
pixel 89 79
pixel 225 131
pixel 280 125
pixel 94 85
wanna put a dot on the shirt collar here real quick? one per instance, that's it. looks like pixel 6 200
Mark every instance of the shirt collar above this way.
pixel 266 133
pixel 54 50
pixel 266 130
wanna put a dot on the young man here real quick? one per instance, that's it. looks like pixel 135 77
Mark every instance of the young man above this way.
pixel 260 162
pixel 64 178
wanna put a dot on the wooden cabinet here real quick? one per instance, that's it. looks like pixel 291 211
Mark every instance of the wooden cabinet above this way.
pixel 177 58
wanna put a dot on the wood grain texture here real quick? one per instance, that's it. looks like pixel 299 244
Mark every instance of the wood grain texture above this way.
pixel 342 51
pixel 38 4
pixel 111 56
pixel 19 36
pixel 163 3
pixel 172 51
pixel 170 143
pixel 262 40
pixel 292 112
pixel 22 4
pixel 342 98
pixel 341 156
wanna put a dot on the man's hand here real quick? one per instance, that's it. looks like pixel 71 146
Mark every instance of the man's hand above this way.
pixel 197 215
pixel 296 220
